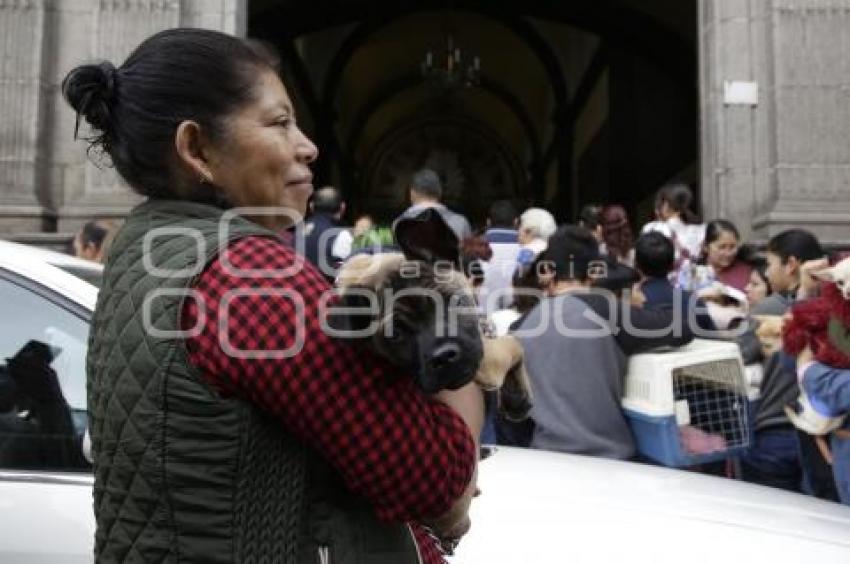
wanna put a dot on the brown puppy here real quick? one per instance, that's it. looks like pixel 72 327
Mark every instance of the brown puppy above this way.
pixel 417 310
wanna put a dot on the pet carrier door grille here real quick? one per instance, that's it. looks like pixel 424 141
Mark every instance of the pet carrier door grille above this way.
pixel 716 399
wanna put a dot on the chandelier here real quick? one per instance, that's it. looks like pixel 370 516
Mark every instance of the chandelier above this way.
pixel 447 69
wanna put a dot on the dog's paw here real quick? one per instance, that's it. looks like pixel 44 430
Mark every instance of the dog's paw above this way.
pixel 501 354
pixel 515 399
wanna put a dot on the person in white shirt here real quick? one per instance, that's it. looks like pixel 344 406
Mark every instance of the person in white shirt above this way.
pixel 675 220
pixel 342 245
pixel 501 234
pixel 536 225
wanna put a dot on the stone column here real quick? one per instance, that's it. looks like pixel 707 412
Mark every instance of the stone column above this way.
pixel 229 16
pixel 22 35
pixel 785 161
pixel 92 188
pixel 115 27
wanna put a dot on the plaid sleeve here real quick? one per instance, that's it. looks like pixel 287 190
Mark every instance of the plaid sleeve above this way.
pixel 412 457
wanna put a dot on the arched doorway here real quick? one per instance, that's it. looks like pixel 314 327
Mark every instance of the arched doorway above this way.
pixel 576 103
pixel 476 168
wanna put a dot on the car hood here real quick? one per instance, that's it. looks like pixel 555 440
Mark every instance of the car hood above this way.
pixel 547 507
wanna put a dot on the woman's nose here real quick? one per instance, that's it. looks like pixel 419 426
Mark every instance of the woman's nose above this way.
pixel 306 149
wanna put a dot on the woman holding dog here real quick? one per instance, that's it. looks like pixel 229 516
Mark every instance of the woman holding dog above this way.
pixel 780 457
pixel 226 425
pixel 830 388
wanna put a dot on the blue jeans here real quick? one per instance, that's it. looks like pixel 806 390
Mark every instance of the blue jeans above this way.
pixel 488 432
pixel 818 475
pixel 774 459
pixel 841 467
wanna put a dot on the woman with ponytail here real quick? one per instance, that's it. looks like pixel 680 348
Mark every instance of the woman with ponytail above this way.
pixel 226 425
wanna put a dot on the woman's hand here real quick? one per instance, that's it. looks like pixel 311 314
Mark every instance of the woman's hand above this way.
pixel 468 402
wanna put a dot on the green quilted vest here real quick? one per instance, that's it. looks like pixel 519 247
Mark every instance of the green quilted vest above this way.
pixel 182 474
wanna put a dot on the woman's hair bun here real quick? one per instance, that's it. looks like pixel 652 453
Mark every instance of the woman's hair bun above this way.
pixel 90 90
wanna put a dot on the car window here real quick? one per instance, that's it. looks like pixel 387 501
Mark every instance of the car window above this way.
pixel 42 380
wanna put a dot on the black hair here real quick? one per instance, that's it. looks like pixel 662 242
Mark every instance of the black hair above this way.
pixel 571 250
pixel 427 183
pixel 759 266
pixel 797 243
pixel 93 233
pixel 502 214
pixel 175 75
pixel 526 280
pixel 589 216
pixel 655 255
pixel 716 227
pixel 616 231
pixel 713 230
pixel 680 198
pixel 327 200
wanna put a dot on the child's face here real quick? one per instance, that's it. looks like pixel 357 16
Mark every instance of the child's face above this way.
pixel 756 288
pixel 782 276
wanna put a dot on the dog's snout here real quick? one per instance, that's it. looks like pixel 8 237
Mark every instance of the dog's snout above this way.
pixel 444 354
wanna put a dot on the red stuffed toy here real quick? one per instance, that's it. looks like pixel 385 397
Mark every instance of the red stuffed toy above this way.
pixel 824 325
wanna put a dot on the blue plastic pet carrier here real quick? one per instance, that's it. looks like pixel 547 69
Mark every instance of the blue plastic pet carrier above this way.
pixel 690 405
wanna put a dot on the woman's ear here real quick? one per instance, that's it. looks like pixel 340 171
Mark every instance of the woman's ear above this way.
pixel 192 152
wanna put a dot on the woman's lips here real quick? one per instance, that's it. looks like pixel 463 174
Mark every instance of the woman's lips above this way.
pixel 303 183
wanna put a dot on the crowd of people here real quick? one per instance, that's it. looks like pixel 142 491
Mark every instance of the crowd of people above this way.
pixel 199 123
pixel 525 269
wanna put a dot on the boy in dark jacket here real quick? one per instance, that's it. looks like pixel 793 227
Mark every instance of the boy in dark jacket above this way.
pixel 655 257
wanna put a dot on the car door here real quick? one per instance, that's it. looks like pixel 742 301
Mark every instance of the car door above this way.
pixel 45 479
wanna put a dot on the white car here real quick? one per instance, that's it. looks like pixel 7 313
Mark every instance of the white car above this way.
pixel 546 507
pixel 45 505
pixel 534 507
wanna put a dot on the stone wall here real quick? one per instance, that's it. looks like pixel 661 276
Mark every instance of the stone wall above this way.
pixel 785 161
pixel 46 181
pixel 23 85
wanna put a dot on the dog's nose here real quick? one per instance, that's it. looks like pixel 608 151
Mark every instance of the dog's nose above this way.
pixel 444 354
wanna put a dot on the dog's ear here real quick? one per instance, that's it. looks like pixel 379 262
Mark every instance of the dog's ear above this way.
pixel 427 237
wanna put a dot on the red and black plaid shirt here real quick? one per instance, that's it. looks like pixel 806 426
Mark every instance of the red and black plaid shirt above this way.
pixel 410 456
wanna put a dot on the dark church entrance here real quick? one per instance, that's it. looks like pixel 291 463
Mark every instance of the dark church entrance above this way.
pixel 543 102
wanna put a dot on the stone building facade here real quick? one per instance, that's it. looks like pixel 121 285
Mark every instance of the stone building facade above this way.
pixel 777 157
pixel 47 184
